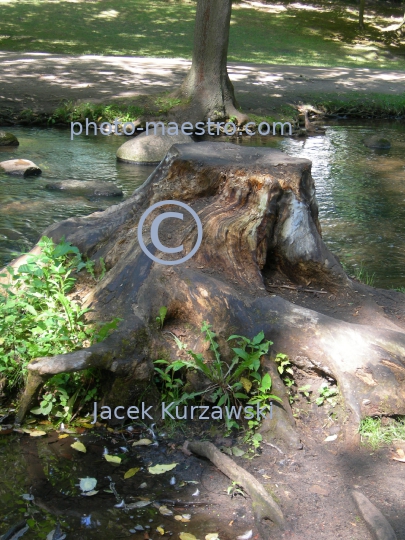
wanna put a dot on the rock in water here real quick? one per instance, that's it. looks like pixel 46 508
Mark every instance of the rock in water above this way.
pixel 8 139
pixel 23 167
pixel 86 188
pixel 149 149
pixel 374 141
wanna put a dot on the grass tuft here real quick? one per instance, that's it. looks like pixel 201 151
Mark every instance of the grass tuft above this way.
pixel 374 433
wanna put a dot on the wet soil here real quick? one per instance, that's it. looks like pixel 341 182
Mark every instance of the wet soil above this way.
pixel 312 486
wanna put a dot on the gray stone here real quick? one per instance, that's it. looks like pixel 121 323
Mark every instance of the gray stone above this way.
pixel 149 149
pixel 23 167
pixel 8 139
pixel 86 188
pixel 374 141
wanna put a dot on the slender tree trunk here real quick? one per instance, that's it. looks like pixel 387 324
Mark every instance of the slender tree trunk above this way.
pixel 361 14
pixel 207 86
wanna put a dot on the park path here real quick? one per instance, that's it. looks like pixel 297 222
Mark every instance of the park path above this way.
pixel 39 81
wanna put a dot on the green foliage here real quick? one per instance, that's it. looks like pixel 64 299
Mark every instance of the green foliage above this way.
pixel 123 110
pixel 69 111
pixel 37 319
pixel 62 391
pixel 327 394
pixel 362 275
pixel 285 368
pixel 235 489
pixel 89 266
pixel 377 105
pixel 305 390
pixel 230 384
pixel 376 434
pixel 161 317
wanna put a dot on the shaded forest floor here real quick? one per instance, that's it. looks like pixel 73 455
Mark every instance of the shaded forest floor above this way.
pixel 312 486
pixel 35 84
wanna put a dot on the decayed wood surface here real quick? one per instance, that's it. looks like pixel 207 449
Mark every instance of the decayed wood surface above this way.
pixel 256 205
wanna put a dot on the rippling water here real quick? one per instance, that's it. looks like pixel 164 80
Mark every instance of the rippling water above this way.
pixel 27 208
pixel 361 192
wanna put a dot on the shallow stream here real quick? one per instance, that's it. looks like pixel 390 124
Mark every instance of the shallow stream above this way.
pixel 361 192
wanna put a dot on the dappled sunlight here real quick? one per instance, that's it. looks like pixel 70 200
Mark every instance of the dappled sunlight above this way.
pixel 100 77
pixel 300 34
pixel 108 14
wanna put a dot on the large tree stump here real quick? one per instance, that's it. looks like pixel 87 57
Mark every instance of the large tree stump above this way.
pixel 256 205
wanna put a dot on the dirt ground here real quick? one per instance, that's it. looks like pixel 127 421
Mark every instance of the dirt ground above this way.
pixel 40 81
pixel 312 486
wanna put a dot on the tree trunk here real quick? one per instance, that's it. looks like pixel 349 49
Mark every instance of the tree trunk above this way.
pixel 361 14
pixel 207 86
pixel 257 206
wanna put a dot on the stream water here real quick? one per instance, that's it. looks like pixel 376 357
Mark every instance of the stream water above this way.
pixel 361 192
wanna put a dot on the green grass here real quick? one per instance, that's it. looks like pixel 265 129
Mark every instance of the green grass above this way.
pixel 363 276
pixel 325 35
pixel 375 434
pixel 376 105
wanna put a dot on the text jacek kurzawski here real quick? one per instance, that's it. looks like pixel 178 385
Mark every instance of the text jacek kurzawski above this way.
pixel 183 412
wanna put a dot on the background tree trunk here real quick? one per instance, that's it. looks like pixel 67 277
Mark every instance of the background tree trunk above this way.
pixel 207 86
pixel 361 13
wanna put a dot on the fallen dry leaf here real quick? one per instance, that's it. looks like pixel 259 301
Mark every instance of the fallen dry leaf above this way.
pixel 183 518
pixel 37 433
pixel 187 536
pixel 160 469
pixel 165 511
pixel 142 442
pixel 79 447
pixel 63 436
pixel 112 459
pixel 131 472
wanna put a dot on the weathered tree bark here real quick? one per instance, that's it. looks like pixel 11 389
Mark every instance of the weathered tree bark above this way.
pixel 256 206
pixel 207 87
pixel 263 505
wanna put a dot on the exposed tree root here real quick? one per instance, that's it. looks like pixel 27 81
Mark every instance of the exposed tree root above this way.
pixel 264 507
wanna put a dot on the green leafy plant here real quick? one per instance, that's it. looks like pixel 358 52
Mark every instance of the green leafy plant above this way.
pixel 327 394
pixel 89 266
pixel 305 391
pixel 235 489
pixel 160 319
pixel 374 433
pixel 229 384
pixel 63 391
pixel 37 318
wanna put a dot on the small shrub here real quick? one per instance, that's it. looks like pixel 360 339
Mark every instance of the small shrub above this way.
pixel 37 319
